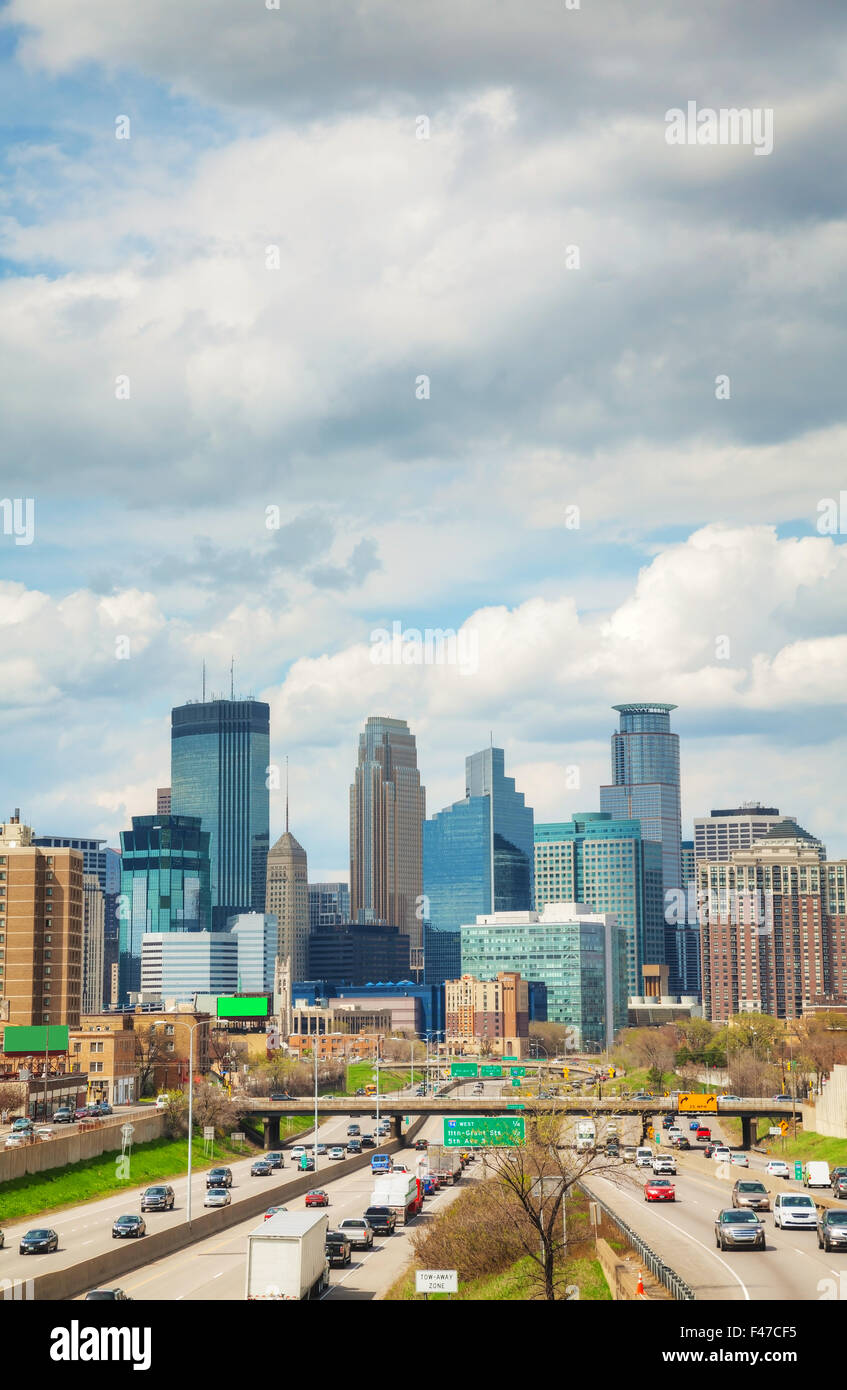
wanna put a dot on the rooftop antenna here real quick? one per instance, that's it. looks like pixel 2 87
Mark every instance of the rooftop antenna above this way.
pixel 232 678
pixel 204 680
pixel 286 793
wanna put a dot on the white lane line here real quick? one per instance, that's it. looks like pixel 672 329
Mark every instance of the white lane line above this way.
pixel 727 1267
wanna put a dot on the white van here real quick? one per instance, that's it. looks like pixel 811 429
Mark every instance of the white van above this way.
pixel 161 1100
pixel 643 1158
pixel 816 1174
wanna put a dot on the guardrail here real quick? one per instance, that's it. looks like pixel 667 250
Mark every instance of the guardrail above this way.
pixel 673 1282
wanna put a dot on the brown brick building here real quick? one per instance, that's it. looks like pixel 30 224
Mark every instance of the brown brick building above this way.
pixel 488 1016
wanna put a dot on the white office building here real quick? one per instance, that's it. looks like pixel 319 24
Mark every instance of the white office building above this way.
pixel 257 935
pixel 177 965
pixel 721 832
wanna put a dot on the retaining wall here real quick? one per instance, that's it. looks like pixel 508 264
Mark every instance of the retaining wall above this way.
pixel 104 1136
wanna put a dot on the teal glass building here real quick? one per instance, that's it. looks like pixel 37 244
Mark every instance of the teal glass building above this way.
pixel 578 955
pixel 477 858
pixel 605 862
pixel 165 887
pixel 220 751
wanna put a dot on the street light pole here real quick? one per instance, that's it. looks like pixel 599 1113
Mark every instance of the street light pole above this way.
pixel 315 1147
pixel 190 1115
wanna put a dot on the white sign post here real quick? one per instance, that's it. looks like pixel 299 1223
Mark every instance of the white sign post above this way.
pixel 429 1281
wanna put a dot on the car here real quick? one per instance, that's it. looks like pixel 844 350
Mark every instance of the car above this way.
pixel 105 1108
pixel 639 1095
pixel 317 1198
pixel 158 1198
pixel 336 1151
pixel 659 1190
pixel 260 1169
pixel 777 1168
pixel 83 1112
pixel 644 1157
pixel 358 1231
pixel 276 1160
pixel 400 1168
pixel 113 1295
pixel 39 1241
pixel 353 1129
pixel 222 1177
pixel 63 1116
pixel 22 1125
pixel 338 1248
pixel 128 1226
pixel 217 1197
pixel 832 1229
pixel 749 1192
pixel 612 1150
pixel 429 1185
pixel 628 1153
pixel 368 1141
pixel 354 1146
pixel 272 1211
pixel 703 1134
pixel 17 1141
pixel 360 1090
pixel 382 1220
pixel 721 1154
pixel 739 1228
pixel 664 1163
pixel 321 1150
pixel 298 1151
pixel 421 1144
pixel 794 1209
pixel 280 1095
pixel 674 1132
pixel 729 1100
pixel 694 1125
pixel 839 1186
pixel 740 1160
pixel 816 1174
pixel 682 1142
pixel 305 1164
pixel 162 1100
pixel 783 1100
pixel 837 1172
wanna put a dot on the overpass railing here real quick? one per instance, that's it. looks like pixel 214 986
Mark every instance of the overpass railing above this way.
pixel 673 1282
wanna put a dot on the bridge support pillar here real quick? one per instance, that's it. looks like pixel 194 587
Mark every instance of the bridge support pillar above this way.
pixel 396 1126
pixel 747 1130
pixel 270 1124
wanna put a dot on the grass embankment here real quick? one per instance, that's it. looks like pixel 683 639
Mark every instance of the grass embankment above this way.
pixel 518 1284
pixel 362 1074
pixel 94 1178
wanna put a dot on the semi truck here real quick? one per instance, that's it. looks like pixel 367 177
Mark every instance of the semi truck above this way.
pixel 586 1135
pixel 444 1163
pixel 400 1192
pixel 286 1257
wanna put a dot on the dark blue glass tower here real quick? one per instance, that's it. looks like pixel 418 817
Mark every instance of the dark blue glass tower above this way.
pixel 471 857
pixel 164 887
pixel 220 750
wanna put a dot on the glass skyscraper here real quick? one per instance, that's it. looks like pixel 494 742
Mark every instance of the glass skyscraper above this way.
pixel 164 887
pixel 645 787
pixel 606 863
pixel 474 863
pixel 220 750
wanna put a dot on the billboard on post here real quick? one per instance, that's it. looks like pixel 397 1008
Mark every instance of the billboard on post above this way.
pixel 236 1006
pixel 21 1041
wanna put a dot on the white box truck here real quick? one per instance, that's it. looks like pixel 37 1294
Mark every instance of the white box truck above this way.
pixel 586 1135
pixel 400 1192
pixel 286 1257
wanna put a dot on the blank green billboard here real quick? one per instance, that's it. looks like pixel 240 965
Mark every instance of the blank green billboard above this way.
pixel 231 1007
pixel 23 1041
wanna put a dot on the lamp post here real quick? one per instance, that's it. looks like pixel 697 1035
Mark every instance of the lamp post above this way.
pixel 315 1146
pixel 191 1027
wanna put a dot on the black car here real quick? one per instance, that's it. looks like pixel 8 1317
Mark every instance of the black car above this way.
pixel 280 1095
pixel 276 1160
pixel 39 1241
pixel 105 1108
pixel 107 1296
pixel 382 1220
pixel 354 1146
pixel 129 1226
pixel 159 1198
pixel 832 1228
pixel 368 1141
pixel 260 1169
pixel 338 1248
pixel 220 1177
pixel 421 1144
pixel 683 1143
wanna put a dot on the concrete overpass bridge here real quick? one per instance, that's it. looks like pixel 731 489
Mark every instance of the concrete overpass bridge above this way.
pixel 394 1107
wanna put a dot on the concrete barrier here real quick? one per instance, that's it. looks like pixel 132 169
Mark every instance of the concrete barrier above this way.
pixel 104 1136
pixel 622 1276
pixel 111 1265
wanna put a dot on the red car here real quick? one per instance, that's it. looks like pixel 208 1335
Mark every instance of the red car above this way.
pixel 317 1198
pixel 704 1134
pixel 272 1211
pixel 659 1190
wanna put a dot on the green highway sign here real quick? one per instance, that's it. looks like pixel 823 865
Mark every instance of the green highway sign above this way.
pixel 518 1071
pixel 464 1069
pixel 798 1171
pixel 516 1082
pixel 472 1132
pixel 510 1059
pixel 491 1071
pixel 516 1107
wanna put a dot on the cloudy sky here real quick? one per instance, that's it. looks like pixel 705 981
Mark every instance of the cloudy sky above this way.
pixel 235 239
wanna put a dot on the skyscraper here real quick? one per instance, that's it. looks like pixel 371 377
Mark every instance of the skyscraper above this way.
pixel 722 831
pixel 106 864
pixel 610 865
pixel 645 787
pixel 165 886
pixel 220 752
pixel 475 862
pixel 387 810
pixel 287 897
pixel 92 944
pixel 329 904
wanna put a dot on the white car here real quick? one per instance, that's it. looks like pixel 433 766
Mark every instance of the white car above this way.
pixel 674 1132
pixel 44 1132
pixel 722 1155
pixel 15 1141
pixel 778 1168
pixel 794 1209
pixel 217 1197
pixel 740 1160
pixel 336 1152
pixel 664 1163
pixel 298 1151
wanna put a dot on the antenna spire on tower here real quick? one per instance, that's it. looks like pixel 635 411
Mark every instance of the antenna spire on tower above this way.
pixel 286 793
pixel 232 678
pixel 204 680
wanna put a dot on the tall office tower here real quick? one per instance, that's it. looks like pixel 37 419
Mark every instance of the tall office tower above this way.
pixel 719 833
pixel 163 801
pixel 358 953
pixel 475 862
pixel 329 904
pixel 220 751
pixel 645 787
pixel 106 865
pixel 287 898
pixel 93 940
pixel 257 934
pixel 688 859
pixel 687 936
pixel 41 929
pixel 165 886
pixel 595 859
pixel 766 941
pixel 387 811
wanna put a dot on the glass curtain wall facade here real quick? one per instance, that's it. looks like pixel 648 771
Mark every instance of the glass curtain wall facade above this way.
pixel 220 751
pixel 512 829
pixel 165 887
pixel 604 862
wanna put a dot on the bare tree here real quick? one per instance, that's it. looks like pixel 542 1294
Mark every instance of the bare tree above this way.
pixel 214 1106
pixel 150 1052
pixel 175 1111
pixel 12 1095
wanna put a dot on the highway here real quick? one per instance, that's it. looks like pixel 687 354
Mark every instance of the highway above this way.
pixel 790 1268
